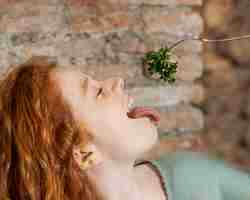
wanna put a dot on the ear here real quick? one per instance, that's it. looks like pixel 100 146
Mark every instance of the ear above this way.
pixel 87 156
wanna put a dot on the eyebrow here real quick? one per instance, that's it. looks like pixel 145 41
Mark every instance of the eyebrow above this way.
pixel 84 75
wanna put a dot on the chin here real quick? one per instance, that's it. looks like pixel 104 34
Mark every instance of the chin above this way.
pixel 151 139
pixel 154 139
pixel 145 133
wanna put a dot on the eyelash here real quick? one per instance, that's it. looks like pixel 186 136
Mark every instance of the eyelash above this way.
pixel 99 92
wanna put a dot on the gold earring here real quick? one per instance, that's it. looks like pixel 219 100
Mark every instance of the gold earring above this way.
pixel 85 158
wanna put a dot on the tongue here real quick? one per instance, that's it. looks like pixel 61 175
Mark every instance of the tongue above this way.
pixel 139 112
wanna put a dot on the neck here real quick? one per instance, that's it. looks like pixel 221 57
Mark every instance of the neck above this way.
pixel 116 180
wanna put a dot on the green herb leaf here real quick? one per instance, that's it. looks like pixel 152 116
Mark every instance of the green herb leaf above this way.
pixel 159 62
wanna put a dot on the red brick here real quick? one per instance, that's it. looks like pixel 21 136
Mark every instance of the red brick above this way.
pixel 99 24
pixel 168 2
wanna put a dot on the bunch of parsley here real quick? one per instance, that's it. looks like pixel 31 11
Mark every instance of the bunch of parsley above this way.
pixel 159 62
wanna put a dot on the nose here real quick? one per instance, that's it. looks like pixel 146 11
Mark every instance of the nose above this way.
pixel 119 82
pixel 116 83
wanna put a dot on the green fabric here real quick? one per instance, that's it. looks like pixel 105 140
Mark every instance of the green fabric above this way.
pixel 198 176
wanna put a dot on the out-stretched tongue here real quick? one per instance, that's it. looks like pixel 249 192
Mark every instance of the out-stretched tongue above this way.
pixel 139 112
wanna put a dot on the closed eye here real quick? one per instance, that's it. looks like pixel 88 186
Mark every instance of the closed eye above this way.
pixel 99 92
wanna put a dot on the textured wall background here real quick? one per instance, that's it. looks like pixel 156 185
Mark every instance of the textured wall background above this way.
pixel 109 38
pixel 226 79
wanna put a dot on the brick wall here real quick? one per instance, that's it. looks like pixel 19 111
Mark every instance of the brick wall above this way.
pixel 109 38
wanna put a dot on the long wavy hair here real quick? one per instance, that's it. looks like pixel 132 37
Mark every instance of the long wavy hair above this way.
pixel 37 134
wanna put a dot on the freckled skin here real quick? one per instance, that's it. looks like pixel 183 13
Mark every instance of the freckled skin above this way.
pixel 117 140
pixel 105 116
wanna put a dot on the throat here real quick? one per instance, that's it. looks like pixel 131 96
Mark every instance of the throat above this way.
pixel 150 180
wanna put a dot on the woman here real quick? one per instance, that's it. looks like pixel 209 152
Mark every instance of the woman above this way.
pixel 67 136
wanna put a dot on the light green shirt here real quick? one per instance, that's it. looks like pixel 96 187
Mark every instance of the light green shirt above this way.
pixel 198 176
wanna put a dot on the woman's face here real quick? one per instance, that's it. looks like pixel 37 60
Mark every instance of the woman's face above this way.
pixel 103 107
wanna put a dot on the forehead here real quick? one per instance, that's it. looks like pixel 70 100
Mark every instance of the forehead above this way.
pixel 69 80
pixel 69 75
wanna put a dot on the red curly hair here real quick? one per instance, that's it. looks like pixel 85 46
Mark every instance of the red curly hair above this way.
pixel 37 133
